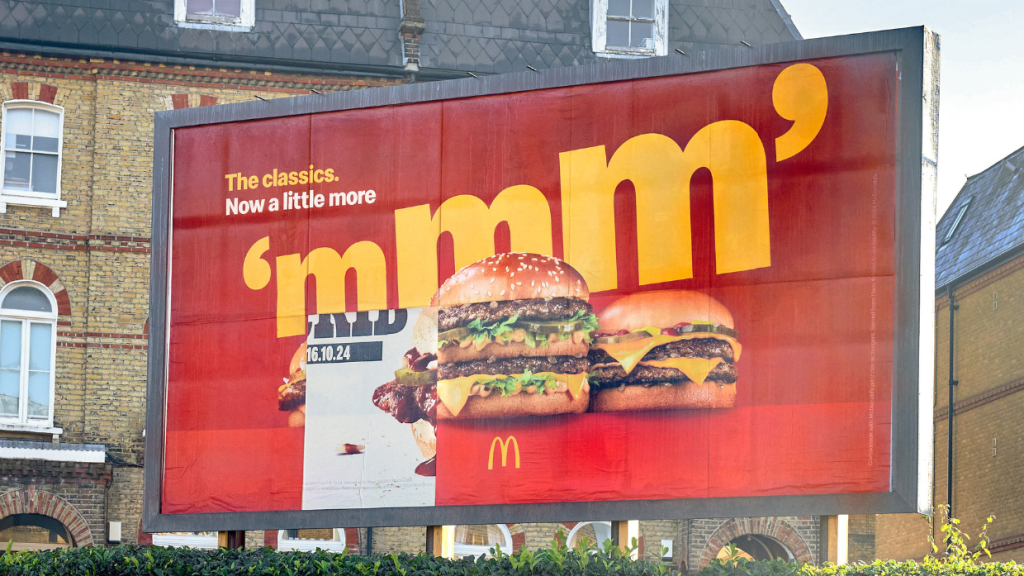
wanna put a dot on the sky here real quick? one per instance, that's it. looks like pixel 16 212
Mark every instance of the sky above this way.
pixel 981 102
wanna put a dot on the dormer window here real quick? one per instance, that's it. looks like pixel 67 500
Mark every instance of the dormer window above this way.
pixel 630 28
pixel 228 14
pixel 956 222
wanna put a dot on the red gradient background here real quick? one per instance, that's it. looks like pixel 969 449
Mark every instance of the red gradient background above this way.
pixel 812 413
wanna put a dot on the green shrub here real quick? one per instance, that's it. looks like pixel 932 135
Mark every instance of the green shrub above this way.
pixel 130 560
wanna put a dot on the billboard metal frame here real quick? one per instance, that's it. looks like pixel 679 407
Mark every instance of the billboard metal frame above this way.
pixel 910 454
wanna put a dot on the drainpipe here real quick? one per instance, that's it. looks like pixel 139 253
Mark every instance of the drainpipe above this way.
pixel 949 449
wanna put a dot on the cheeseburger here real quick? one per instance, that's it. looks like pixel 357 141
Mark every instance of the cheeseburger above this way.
pixel 513 336
pixel 412 396
pixel 664 350
pixel 291 396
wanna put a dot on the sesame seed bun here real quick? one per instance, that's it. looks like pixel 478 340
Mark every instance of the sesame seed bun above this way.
pixel 663 309
pixel 513 276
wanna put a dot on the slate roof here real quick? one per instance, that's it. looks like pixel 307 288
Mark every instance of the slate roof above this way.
pixel 991 228
pixel 461 35
pixel 507 35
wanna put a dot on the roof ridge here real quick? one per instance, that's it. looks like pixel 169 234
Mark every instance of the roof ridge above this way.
pixel 787 19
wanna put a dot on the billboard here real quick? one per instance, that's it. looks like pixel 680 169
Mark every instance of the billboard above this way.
pixel 635 290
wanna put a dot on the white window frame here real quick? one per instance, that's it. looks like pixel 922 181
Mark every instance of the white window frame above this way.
pixel 956 223
pixel 599 32
pixel 463 550
pixel 195 540
pixel 26 197
pixel 284 543
pixel 22 421
pixel 576 528
pixel 243 23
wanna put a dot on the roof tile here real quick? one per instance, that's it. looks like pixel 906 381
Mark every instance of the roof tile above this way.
pixel 992 225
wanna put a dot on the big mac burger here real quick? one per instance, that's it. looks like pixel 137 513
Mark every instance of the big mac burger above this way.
pixel 412 396
pixel 513 337
pixel 291 396
pixel 664 350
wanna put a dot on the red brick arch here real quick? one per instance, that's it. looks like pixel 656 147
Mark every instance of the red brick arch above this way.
pixel 518 536
pixel 32 501
pixel 776 528
pixel 27 269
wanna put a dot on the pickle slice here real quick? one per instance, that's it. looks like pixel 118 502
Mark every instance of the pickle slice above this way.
pixel 541 327
pixel 413 379
pixel 710 329
pixel 454 334
pixel 623 338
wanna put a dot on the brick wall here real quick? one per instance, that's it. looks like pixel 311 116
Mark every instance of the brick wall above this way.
pixel 80 490
pixel 988 402
pixel 99 245
pixel 706 537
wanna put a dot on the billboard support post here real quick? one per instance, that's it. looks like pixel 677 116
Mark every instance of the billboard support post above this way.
pixel 441 541
pixel 623 533
pixel 231 539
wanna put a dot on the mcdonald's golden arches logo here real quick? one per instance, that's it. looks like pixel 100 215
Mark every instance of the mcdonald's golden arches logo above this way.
pixel 511 440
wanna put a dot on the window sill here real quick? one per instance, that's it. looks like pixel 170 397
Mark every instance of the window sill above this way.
pixel 627 55
pixel 54 204
pixel 29 428
pixel 220 26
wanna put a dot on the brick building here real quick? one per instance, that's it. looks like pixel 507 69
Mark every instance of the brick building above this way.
pixel 980 271
pixel 79 84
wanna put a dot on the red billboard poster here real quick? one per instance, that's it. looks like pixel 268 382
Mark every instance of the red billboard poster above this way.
pixel 672 288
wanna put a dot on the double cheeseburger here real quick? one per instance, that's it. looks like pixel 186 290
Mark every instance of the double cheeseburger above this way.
pixel 412 396
pixel 291 396
pixel 664 350
pixel 513 337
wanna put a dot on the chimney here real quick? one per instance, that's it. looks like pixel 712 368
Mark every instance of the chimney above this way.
pixel 411 30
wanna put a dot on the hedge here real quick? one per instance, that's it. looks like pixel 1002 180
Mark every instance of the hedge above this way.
pixel 133 560
pixel 956 559
pixel 928 567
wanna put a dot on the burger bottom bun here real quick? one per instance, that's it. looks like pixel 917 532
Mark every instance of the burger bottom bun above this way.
pixel 297 417
pixel 523 404
pixel 425 437
pixel 684 395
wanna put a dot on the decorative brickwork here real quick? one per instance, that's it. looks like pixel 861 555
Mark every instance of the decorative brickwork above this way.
pixel 71 492
pixel 779 529
pixel 31 270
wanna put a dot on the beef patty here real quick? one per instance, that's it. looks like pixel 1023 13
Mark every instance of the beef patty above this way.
pixel 614 376
pixel 532 309
pixel 507 366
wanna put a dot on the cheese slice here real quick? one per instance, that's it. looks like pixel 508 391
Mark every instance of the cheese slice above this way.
pixel 454 393
pixel 631 352
pixel 696 369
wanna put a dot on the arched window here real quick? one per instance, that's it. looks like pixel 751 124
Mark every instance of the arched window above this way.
pixel 32 142
pixel 478 540
pixel 28 344
pixel 34 532
pixel 757 547
pixel 595 532
pixel 328 539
